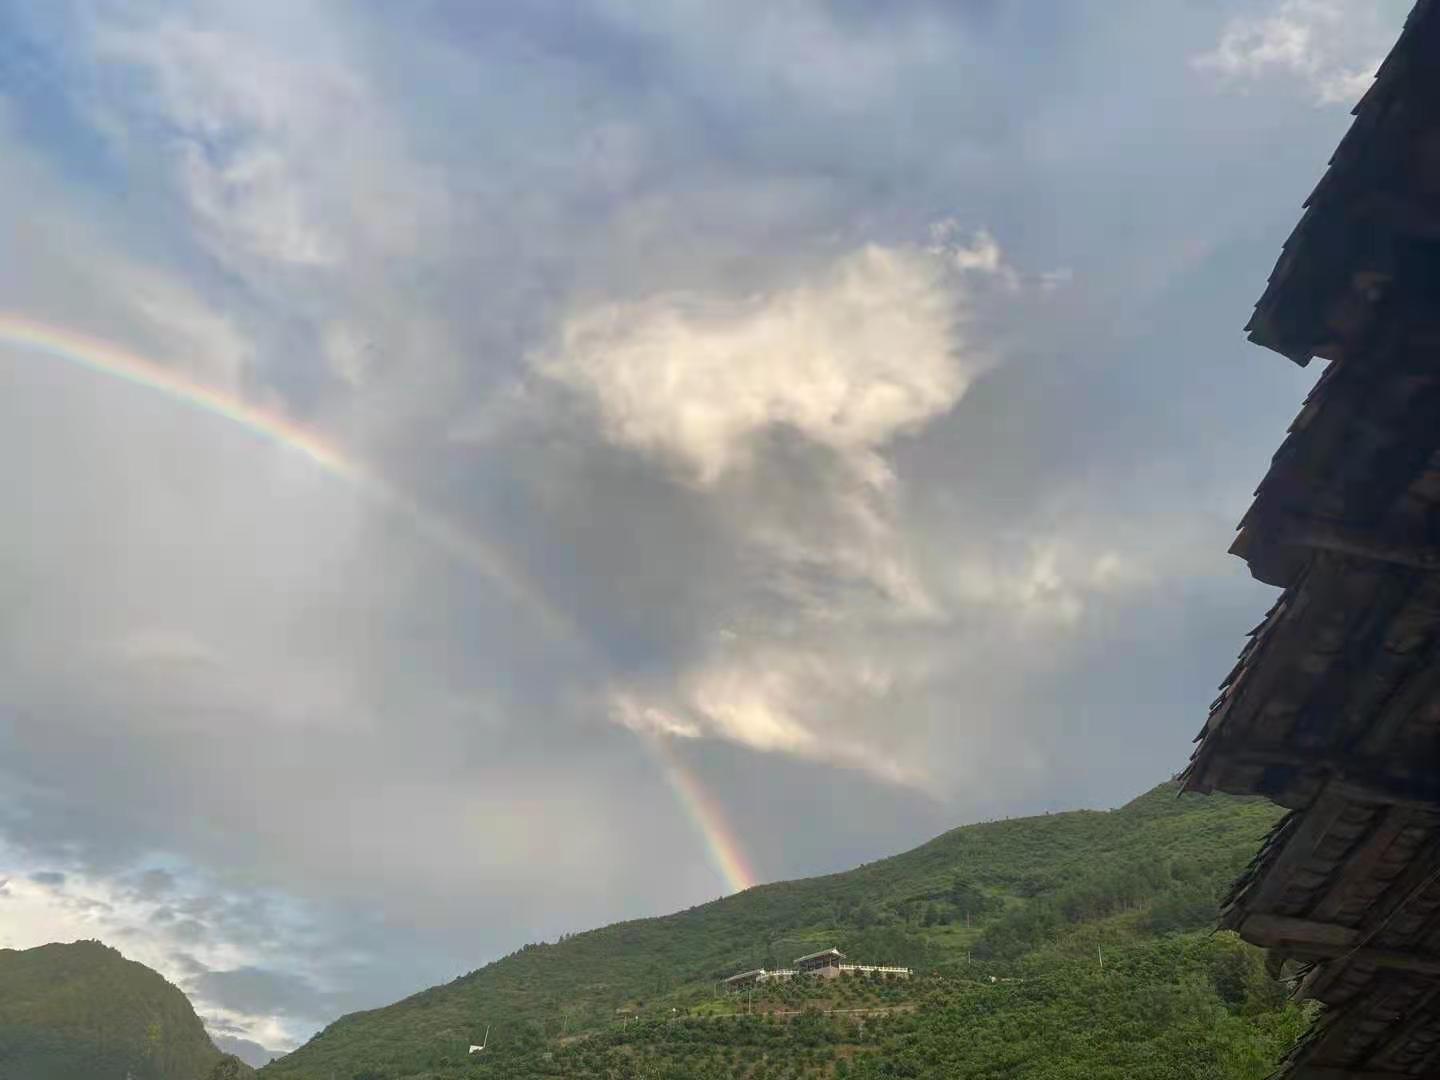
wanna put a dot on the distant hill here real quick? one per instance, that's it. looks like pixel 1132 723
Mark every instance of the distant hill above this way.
pixel 252 1053
pixel 84 1012
pixel 230 1067
pixel 1068 945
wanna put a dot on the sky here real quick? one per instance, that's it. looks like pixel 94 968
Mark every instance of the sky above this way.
pixel 475 471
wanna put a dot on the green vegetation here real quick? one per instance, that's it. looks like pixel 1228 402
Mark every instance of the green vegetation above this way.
pixel 1191 1006
pixel 84 1011
pixel 1060 947
pixel 230 1067
pixel 1006 923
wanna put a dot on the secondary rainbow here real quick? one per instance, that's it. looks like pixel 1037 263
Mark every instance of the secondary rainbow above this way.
pixel 722 846
pixel 106 359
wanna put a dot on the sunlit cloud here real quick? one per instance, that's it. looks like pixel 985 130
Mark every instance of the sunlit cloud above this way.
pixel 867 351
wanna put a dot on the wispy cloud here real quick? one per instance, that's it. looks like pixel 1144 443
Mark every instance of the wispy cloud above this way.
pixel 283 156
pixel 1332 49
pixel 182 925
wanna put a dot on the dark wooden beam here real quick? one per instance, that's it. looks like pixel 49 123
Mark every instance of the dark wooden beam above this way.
pixel 1328 941
pixel 1283 931
pixel 1391 959
pixel 1409 792
pixel 1361 778
pixel 1301 531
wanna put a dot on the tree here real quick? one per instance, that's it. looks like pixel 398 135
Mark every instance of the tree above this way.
pixel 967 898
pixel 230 1068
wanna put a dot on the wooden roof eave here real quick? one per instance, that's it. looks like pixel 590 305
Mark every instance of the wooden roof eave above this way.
pixel 1293 316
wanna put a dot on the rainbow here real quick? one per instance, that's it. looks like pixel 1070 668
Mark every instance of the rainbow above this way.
pixel 721 844
pixel 102 358
pixel 110 361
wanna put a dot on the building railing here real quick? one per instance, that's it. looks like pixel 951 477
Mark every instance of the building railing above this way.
pixel 746 978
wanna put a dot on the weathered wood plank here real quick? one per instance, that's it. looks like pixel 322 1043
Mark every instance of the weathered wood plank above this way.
pixel 1329 939
pixel 1364 862
pixel 1363 779
pixel 1308 939
pixel 1419 689
pixel 1361 543
pixel 1390 959
pixel 1419 1021
pixel 1300 845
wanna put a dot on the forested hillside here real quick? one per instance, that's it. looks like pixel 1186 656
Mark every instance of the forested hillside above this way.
pixel 1065 946
pixel 84 1012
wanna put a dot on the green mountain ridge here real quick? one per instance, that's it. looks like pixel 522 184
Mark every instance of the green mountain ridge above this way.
pixel 1007 924
pixel 83 1012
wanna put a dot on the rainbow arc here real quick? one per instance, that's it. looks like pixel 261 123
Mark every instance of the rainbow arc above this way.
pixel 723 847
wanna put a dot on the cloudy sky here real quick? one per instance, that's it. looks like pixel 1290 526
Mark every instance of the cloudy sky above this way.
pixel 760 435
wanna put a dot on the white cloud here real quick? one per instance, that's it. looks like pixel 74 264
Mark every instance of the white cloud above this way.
pixel 294 170
pixel 810 701
pixel 1042 581
pixel 807 51
pixel 878 345
pixel 237 112
pixel 177 932
pixel 193 337
pixel 867 350
pixel 284 156
pixel 874 346
pixel 1332 49
pixel 844 684
pixel 69 267
pixel 982 255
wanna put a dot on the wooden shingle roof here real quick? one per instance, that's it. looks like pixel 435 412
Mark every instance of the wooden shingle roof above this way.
pixel 1366 194
pixel 1333 709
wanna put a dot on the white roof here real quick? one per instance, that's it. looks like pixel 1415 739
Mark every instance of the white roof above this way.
pixel 746 975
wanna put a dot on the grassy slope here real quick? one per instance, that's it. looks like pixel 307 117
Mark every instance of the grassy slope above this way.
pixel 83 1010
pixel 1190 1006
pixel 1010 894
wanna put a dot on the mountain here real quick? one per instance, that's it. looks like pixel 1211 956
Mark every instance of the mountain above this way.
pixel 1064 946
pixel 251 1053
pixel 83 1011
pixel 230 1067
